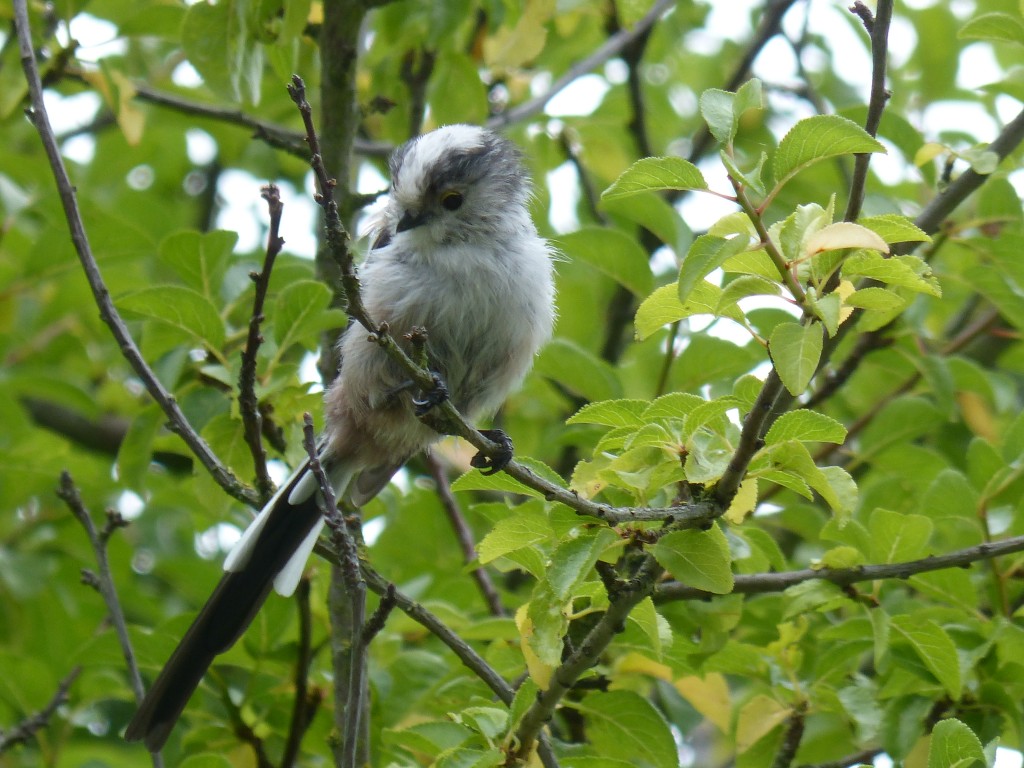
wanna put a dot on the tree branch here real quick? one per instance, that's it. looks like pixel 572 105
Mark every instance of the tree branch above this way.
pixel 586 655
pixel 276 136
pixel 23 731
pixel 464 535
pixel 304 705
pixel 879 31
pixel 104 580
pixel 221 474
pixel 353 703
pixel 248 403
pixel 612 47
pixel 759 583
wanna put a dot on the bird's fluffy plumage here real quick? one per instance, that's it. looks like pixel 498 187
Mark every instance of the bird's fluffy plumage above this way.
pixel 455 253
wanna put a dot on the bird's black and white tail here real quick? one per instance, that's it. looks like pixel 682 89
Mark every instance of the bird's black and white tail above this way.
pixel 271 554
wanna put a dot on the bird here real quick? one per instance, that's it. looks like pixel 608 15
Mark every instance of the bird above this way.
pixel 455 253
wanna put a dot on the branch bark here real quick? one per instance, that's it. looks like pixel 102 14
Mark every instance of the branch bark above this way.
pixel 37 113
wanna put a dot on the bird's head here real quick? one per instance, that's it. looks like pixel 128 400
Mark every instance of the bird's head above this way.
pixel 457 184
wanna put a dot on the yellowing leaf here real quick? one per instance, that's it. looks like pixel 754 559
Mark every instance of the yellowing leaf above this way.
pixel 843 234
pixel 709 695
pixel 758 717
pixel 743 502
pixel 513 47
pixel 978 415
pixel 928 152
pixel 540 672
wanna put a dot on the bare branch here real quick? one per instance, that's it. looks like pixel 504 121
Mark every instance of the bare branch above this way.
pixel 464 535
pixel 349 718
pixel 25 730
pixel 223 476
pixel 248 403
pixel 879 31
pixel 612 47
pixel 758 583
pixel 305 705
pixel 275 135
pixel 585 656
pixel 103 580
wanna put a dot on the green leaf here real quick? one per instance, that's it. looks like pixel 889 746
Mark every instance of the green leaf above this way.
pixel 934 647
pixel 698 558
pixel 809 426
pixel 526 526
pixel 663 307
pixel 875 298
pixel 795 350
pixel 705 255
pixel 223 50
pixel 190 314
pixel 475 480
pixel 199 259
pixel 569 568
pixel 722 110
pixel 994 26
pixel 897 537
pixel 819 138
pixel 625 725
pixel 654 174
pixel 579 370
pixel 954 745
pixel 905 271
pixel 612 252
pixel 611 413
pixel 894 228
pixel 301 312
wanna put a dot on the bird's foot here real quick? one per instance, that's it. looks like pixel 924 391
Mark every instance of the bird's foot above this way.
pixel 430 398
pixel 496 461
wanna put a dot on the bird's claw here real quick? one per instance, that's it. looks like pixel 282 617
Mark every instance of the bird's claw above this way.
pixel 496 461
pixel 431 398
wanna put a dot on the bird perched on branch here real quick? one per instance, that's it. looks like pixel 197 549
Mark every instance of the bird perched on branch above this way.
pixel 454 253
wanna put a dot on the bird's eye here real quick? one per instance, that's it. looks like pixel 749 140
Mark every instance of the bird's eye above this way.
pixel 451 200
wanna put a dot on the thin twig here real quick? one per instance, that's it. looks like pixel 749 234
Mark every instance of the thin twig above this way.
pixel 304 705
pixel 760 583
pixel 792 737
pixel 879 31
pixel 355 587
pixel 463 534
pixel 275 135
pixel 771 23
pixel 462 650
pixel 179 423
pixel 611 48
pixel 68 492
pixel 375 624
pixel 248 403
pixel 584 657
pixel 103 580
pixel 25 730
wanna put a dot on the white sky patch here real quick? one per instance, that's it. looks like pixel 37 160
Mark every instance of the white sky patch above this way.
pixel 940 116
pixel 243 207
pixel 200 146
pixel 97 39
pixel 977 67
pixel 130 505
pixel 565 196
pixel 309 373
pixel 186 76
pixel 69 113
pixel 215 541
pixel 580 98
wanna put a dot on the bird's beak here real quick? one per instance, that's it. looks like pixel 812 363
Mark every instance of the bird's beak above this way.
pixel 410 219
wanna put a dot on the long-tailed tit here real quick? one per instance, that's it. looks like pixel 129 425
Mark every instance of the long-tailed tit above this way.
pixel 455 252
